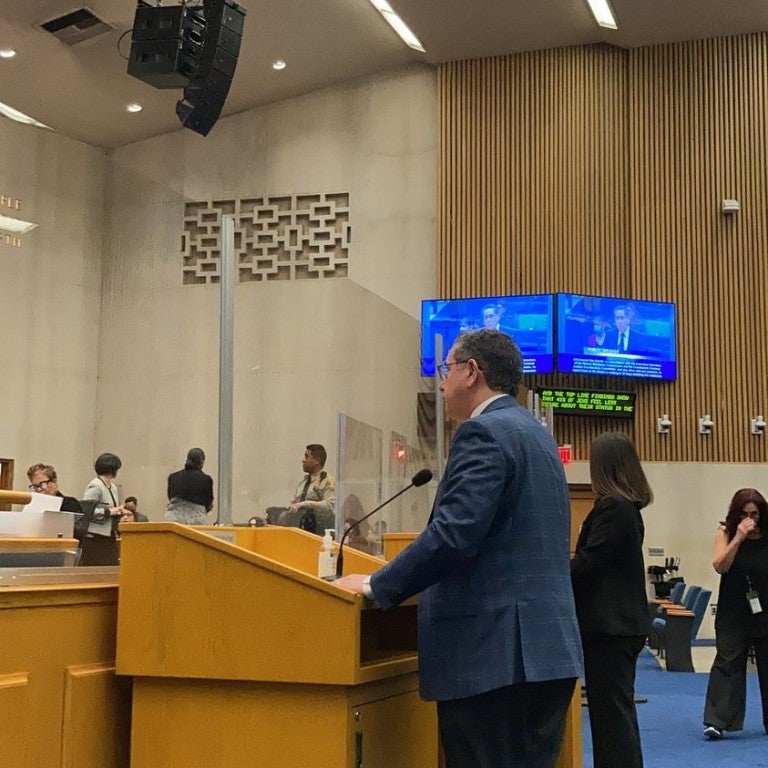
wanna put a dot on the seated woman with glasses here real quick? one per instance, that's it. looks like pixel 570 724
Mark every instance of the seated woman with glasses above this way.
pixel 42 479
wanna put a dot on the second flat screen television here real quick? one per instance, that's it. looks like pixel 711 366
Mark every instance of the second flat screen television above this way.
pixel 602 335
pixel 527 319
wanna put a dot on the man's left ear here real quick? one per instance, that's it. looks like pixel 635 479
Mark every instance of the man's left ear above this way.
pixel 474 369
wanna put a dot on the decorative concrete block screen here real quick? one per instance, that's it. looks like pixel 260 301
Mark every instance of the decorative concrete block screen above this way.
pixel 290 237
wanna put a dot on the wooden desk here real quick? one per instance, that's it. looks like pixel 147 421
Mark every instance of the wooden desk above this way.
pixel 17 551
pixel 61 703
pixel 34 544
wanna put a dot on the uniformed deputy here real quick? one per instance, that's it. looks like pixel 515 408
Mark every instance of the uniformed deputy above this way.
pixel 312 505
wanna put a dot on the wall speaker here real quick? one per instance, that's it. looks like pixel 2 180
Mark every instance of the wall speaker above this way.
pixel 189 47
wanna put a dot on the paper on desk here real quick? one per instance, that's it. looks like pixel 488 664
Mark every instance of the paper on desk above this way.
pixel 42 502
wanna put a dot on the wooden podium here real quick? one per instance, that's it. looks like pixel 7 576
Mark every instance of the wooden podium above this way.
pixel 241 656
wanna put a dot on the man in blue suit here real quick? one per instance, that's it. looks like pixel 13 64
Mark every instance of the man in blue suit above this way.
pixel 499 645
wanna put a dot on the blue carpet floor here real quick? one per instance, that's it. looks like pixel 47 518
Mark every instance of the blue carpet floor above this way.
pixel 671 723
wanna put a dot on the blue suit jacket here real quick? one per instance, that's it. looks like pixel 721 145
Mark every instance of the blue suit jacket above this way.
pixel 492 566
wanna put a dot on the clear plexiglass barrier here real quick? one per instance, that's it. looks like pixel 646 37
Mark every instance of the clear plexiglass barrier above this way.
pixel 372 469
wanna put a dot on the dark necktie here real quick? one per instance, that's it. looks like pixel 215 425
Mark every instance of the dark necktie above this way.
pixel 305 489
pixel 622 342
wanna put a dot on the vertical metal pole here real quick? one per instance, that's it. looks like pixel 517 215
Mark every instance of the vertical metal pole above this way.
pixel 226 362
pixel 549 416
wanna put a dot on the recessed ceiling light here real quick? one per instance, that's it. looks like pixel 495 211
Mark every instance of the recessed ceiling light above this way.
pixel 134 107
pixel 278 64
pixel 394 21
pixel 603 14
pixel 7 53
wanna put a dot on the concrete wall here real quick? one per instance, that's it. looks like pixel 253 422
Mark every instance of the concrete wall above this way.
pixel 304 349
pixel 50 300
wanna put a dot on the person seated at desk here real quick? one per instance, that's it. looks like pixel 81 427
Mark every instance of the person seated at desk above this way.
pixel 190 492
pixel 43 479
pixel 131 515
pixel 312 505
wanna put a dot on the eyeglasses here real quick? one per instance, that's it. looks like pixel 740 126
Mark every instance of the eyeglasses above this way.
pixel 444 368
pixel 37 487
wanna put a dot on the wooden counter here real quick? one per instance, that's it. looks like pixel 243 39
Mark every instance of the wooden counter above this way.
pixel 61 703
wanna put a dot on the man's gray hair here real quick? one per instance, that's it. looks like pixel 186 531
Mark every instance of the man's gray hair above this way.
pixel 496 354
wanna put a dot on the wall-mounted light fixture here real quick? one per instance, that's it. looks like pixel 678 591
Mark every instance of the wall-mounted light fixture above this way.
pixel 663 424
pixel 757 425
pixel 705 425
pixel 730 206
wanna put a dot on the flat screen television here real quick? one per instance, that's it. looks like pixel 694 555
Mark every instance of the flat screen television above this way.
pixel 610 336
pixel 528 319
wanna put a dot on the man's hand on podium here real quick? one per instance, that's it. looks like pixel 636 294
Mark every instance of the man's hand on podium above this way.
pixel 353 582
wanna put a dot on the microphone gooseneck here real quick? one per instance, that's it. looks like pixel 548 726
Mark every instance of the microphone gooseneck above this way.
pixel 422 477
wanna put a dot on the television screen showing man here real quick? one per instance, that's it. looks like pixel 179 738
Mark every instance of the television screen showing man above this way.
pixel 602 335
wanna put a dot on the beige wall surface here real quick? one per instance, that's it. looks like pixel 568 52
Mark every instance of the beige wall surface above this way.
pixel 50 295
pixel 304 349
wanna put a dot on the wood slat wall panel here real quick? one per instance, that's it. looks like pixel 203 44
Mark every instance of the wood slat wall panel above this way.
pixel 599 170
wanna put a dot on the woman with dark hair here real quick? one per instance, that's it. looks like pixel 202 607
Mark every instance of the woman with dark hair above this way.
pixel 190 491
pixel 104 491
pixel 611 604
pixel 741 559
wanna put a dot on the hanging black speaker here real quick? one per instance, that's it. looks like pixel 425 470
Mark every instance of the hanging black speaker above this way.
pixel 194 47
pixel 207 90
pixel 166 44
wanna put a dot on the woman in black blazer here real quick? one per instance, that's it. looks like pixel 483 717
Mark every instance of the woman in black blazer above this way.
pixel 611 603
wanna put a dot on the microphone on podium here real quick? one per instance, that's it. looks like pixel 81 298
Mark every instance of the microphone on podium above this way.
pixel 422 477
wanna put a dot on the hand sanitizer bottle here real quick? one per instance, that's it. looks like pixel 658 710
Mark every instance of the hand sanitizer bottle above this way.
pixel 326 558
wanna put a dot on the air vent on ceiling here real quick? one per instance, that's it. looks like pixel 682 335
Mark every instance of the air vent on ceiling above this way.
pixel 76 27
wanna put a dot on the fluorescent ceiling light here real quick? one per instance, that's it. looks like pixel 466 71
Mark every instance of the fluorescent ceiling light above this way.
pixel 17 226
pixel 20 117
pixel 134 107
pixel 394 21
pixel 602 13
pixel 7 53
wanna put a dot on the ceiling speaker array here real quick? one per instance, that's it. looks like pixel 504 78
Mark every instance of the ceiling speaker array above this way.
pixel 189 47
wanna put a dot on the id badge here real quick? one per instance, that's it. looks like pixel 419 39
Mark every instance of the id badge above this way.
pixel 754 602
